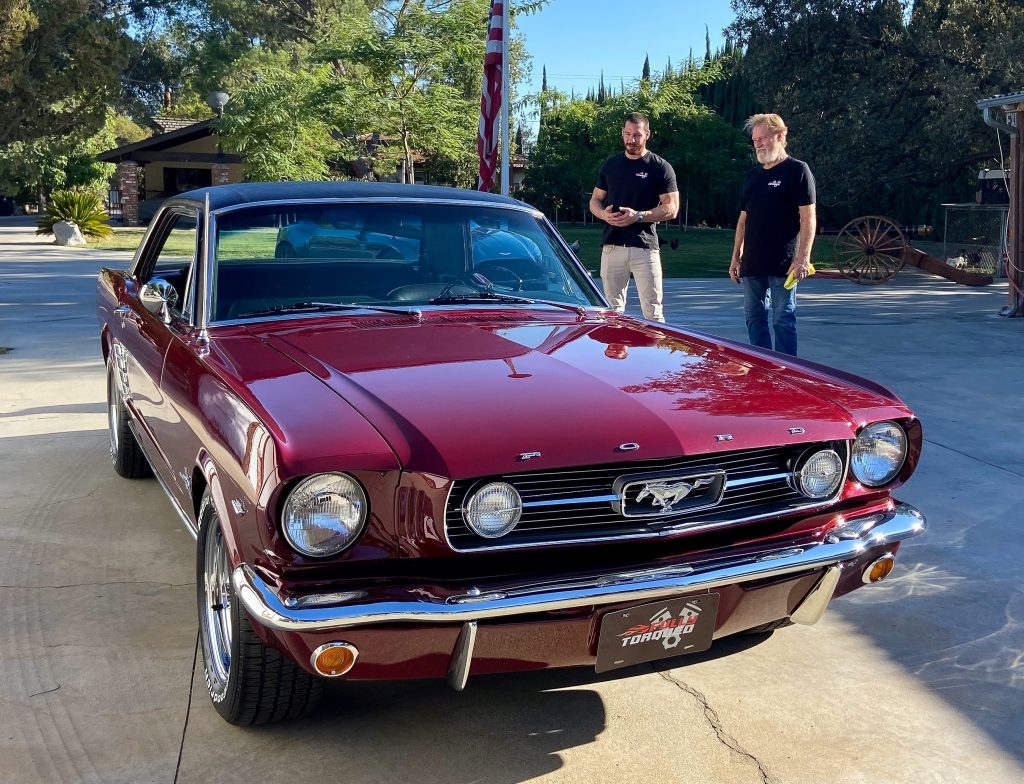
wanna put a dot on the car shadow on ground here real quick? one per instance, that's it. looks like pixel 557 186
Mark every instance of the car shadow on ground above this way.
pixel 502 729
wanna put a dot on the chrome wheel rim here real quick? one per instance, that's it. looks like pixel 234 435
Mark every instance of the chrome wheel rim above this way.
pixel 217 628
pixel 112 417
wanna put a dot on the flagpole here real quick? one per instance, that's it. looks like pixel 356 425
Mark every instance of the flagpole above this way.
pixel 506 66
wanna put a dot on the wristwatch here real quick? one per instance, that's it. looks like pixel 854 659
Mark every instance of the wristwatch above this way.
pixel 640 216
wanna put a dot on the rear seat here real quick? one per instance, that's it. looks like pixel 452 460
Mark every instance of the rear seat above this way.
pixel 244 287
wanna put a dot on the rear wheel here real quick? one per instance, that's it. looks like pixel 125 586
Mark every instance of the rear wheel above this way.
pixel 125 453
pixel 248 681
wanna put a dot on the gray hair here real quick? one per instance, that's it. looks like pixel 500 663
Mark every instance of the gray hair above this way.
pixel 772 122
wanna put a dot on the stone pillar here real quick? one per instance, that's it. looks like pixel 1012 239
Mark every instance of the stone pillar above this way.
pixel 128 184
pixel 221 174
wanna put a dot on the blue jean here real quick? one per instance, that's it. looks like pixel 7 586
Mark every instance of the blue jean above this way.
pixel 761 293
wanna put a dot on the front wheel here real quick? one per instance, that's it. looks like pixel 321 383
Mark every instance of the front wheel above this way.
pixel 248 681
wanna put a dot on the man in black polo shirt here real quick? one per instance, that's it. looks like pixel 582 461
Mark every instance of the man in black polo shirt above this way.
pixel 635 190
pixel 774 234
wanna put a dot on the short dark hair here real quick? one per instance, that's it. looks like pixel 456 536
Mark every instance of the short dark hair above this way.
pixel 638 118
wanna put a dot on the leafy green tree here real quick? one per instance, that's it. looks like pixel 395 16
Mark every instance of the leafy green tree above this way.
pixel 60 65
pixel 879 94
pixel 276 119
pixel 575 138
pixel 417 74
pixel 34 169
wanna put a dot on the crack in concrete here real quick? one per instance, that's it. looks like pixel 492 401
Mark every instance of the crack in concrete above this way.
pixel 716 724
pixel 48 691
pixel 972 457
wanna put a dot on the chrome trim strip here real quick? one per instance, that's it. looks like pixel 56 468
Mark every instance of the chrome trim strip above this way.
pixel 810 610
pixel 414 606
pixel 462 657
pixel 575 501
pixel 756 480
pixel 412 199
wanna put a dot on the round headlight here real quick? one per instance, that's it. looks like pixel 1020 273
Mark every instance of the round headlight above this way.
pixel 493 510
pixel 820 474
pixel 324 514
pixel 878 453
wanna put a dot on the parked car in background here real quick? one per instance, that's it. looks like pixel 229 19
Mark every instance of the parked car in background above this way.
pixel 423 446
pixel 8 206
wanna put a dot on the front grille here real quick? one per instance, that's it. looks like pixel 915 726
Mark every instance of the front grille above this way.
pixel 583 504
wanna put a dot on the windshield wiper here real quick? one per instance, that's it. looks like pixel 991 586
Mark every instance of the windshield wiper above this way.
pixel 490 296
pixel 481 296
pixel 323 307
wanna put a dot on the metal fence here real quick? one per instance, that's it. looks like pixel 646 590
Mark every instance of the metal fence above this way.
pixel 114 204
pixel 974 237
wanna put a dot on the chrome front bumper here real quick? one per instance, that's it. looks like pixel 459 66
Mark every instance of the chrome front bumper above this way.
pixel 330 611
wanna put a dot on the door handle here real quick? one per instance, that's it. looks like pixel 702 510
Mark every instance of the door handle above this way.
pixel 122 311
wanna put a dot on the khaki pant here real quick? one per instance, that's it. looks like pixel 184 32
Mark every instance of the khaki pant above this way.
pixel 617 262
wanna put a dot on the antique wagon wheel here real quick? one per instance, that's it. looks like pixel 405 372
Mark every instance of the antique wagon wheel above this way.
pixel 870 249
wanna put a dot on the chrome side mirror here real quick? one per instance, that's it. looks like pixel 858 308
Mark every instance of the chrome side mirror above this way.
pixel 159 298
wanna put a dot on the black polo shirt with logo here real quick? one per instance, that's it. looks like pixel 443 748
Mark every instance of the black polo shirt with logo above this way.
pixel 637 183
pixel 772 199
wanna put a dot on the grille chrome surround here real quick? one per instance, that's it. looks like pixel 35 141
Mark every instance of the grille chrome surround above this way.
pixel 582 505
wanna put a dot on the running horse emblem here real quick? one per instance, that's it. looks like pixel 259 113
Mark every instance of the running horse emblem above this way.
pixel 668 493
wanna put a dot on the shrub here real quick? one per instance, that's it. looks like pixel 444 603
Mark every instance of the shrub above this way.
pixel 78 206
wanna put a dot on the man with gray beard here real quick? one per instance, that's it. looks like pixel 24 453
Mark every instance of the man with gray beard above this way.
pixel 774 235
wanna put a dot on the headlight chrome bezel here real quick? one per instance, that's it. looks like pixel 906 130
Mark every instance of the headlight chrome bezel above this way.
pixel 802 480
pixel 867 439
pixel 318 489
pixel 471 511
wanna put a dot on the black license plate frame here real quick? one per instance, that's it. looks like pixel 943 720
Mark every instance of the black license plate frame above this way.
pixel 656 630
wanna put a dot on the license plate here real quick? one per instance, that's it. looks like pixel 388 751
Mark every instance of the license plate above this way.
pixel 656 631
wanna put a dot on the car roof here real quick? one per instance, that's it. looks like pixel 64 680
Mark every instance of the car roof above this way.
pixel 248 192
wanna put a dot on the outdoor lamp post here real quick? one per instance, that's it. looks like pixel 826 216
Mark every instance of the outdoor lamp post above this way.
pixel 217 100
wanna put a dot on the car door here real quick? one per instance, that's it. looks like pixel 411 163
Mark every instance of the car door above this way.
pixel 143 337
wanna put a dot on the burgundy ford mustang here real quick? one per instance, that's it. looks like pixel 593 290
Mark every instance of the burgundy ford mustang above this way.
pixel 427 448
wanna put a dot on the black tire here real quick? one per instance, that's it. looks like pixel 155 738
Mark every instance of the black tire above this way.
pixel 126 455
pixel 248 681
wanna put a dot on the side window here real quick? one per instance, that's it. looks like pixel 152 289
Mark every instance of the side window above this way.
pixel 175 259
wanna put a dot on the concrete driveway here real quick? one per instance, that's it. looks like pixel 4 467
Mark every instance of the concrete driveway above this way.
pixel 919 679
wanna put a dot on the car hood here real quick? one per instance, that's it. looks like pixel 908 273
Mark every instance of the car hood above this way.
pixel 477 396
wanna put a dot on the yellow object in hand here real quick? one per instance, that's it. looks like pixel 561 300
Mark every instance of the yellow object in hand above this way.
pixel 791 281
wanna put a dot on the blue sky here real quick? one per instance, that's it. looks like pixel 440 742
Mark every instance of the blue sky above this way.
pixel 577 39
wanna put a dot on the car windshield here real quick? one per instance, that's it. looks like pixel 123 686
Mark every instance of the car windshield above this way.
pixel 382 254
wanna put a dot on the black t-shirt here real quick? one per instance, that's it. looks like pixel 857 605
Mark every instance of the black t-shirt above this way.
pixel 638 184
pixel 772 199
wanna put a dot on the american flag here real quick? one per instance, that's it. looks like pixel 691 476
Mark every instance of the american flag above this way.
pixel 490 98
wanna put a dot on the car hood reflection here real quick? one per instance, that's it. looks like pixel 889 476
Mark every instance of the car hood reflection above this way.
pixel 483 394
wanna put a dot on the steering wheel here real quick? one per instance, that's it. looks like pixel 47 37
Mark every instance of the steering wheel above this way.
pixel 504 274
pixel 519 269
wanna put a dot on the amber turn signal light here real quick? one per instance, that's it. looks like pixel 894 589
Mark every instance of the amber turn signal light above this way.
pixel 334 658
pixel 879 569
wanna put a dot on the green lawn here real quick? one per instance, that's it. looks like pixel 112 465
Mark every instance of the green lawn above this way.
pixel 699 253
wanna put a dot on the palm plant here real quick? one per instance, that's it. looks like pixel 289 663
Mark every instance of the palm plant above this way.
pixel 79 206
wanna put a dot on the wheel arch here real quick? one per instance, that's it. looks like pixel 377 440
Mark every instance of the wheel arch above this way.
pixel 206 482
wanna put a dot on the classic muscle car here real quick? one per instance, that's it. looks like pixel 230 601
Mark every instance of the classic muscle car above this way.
pixel 439 463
